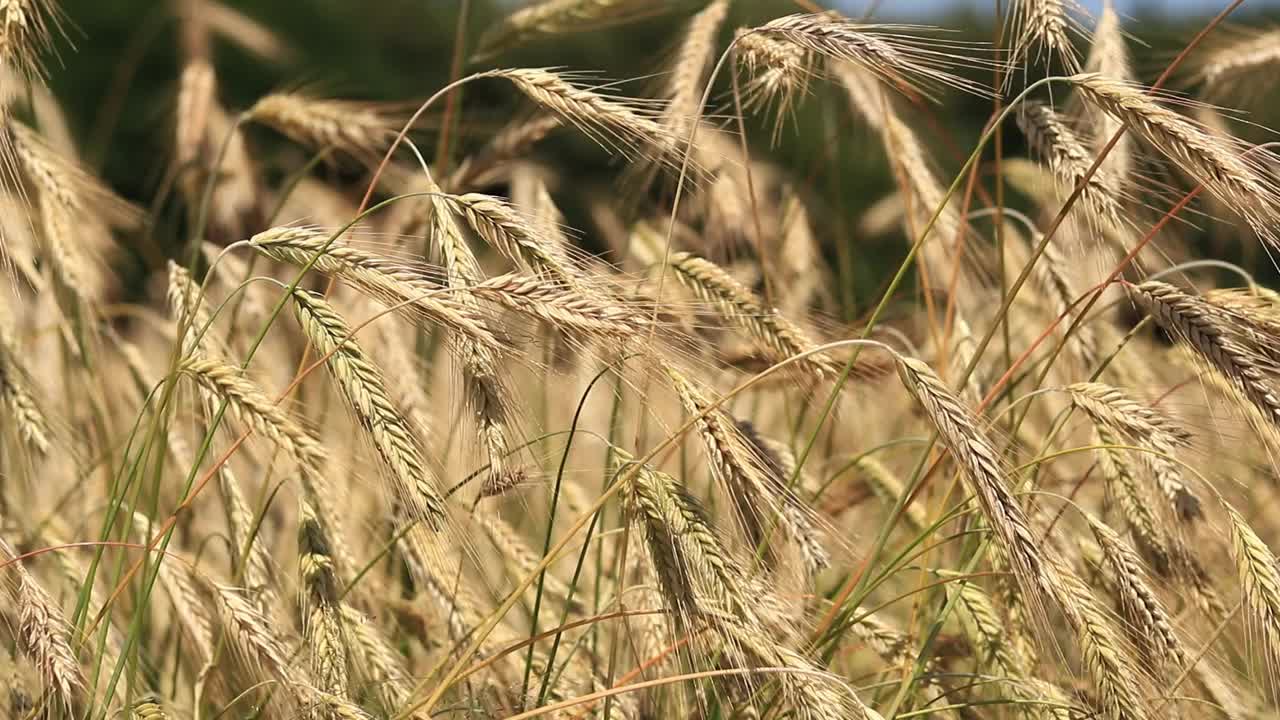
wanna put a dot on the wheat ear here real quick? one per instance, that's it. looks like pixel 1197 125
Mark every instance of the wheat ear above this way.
pixel 323 621
pixel 1109 57
pixel 486 397
pixel 762 500
pixel 1199 325
pixel 1108 659
pixel 220 381
pixel 1259 574
pixel 563 306
pixel 256 572
pixel 738 304
pixel 378 277
pixel 518 238
pixel 42 630
pixel 981 466
pixel 507 144
pixel 550 17
pixel 1225 171
pixel 1238 61
pixel 1140 423
pixel 683 87
pixel 360 129
pixel 18 398
pixel 363 386
pixel 701 582
pixel 26 29
pixel 1069 159
pixel 1045 25
pixel 187 595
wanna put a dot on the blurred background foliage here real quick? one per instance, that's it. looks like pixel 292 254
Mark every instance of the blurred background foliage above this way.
pixel 119 64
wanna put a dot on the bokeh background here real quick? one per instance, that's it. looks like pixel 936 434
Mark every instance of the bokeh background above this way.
pixel 120 60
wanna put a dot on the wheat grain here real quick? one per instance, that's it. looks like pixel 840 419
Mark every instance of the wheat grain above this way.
pixel 149 708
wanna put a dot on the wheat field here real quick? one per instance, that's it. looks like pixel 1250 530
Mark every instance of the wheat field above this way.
pixel 380 434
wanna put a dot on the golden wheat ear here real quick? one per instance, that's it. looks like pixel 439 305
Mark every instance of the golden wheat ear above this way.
pixel 1045 27
pixel 1069 158
pixel 1248 59
pixel 548 18
pixel 361 129
pixel 26 32
pixel 43 631
pixel 1235 174
pixel 1109 57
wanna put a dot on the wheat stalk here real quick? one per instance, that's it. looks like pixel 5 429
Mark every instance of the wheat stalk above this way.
pixel 1147 531
pixel 379 665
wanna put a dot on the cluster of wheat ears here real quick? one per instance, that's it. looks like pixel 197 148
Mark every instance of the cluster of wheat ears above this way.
pixel 412 451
